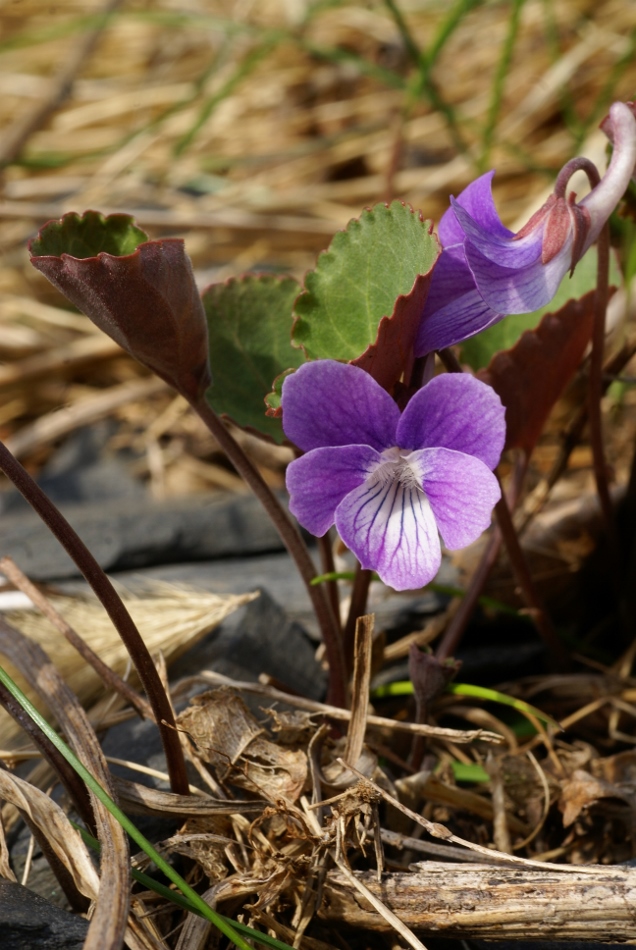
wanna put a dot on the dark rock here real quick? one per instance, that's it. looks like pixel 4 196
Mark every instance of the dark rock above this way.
pixel 128 533
pixel 258 639
pixel 28 921
pixel 82 472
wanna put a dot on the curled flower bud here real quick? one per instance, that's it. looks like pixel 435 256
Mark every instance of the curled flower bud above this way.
pixel 486 272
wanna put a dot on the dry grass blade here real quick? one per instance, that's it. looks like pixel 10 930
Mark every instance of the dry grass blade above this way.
pixel 109 678
pixel 64 840
pixel 17 137
pixel 90 409
pixel 334 712
pixel 392 920
pixel 142 800
pixel 171 618
pixel 437 830
pixel 363 646
pixel 108 922
pixel 87 349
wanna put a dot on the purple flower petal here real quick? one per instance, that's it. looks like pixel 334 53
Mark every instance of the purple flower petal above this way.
pixel 454 309
pixel 326 403
pixel 455 411
pixel 390 528
pixel 318 482
pixel 477 200
pixel 519 291
pixel 497 247
pixel 461 492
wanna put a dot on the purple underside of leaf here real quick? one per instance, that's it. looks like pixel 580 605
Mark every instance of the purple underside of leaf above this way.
pixel 147 302
pixel 461 490
pixel 508 290
pixel 326 403
pixel 455 411
pixel 318 482
pixel 454 310
pixel 391 529
pixel 477 200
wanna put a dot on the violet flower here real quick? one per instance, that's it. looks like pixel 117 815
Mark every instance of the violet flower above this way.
pixel 391 480
pixel 486 272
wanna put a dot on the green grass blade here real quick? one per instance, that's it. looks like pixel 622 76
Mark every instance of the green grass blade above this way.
pixel 201 907
pixel 494 696
pixel 405 688
pixel 176 898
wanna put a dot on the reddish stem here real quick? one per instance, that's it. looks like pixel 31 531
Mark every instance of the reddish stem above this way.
pixel 328 623
pixel 595 397
pixel 112 603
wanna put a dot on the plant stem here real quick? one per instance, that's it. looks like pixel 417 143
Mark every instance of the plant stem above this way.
pixel 292 540
pixel 524 579
pixel 595 396
pixel 328 567
pixel 110 599
pixel 454 632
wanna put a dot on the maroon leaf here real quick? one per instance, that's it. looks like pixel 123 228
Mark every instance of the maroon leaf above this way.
pixel 147 301
pixel 531 376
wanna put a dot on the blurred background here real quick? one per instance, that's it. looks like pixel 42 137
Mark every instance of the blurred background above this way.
pixel 255 130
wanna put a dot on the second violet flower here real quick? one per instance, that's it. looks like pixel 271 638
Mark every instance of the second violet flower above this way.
pixel 392 481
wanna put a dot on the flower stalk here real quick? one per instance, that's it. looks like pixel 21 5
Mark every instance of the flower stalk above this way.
pixel 327 622
pixel 115 608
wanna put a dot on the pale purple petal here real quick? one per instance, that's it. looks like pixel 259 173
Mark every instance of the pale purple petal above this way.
pixel 477 200
pixel 454 309
pixel 455 411
pixel 496 247
pixel 391 529
pixel 326 403
pixel 507 290
pixel 317 482
pixel 602 200
pixel 461 491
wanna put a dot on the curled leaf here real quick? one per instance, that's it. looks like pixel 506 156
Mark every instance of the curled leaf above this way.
pixel 141 293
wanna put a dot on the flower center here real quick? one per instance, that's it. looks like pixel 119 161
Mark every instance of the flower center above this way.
pixel 395 467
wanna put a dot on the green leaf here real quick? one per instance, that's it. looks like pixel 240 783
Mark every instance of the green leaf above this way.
pixel 358 281
pixel 469 772
pixel 249 326
pixel 88 235
pixel 479 350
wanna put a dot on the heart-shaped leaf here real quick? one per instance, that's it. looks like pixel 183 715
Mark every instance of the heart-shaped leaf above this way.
pixel 363 301
pixel 143 295
pixel 249 326
pixel 531 376
pixel 480 349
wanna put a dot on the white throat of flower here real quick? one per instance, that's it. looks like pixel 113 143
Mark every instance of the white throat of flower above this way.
pixel 395 468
